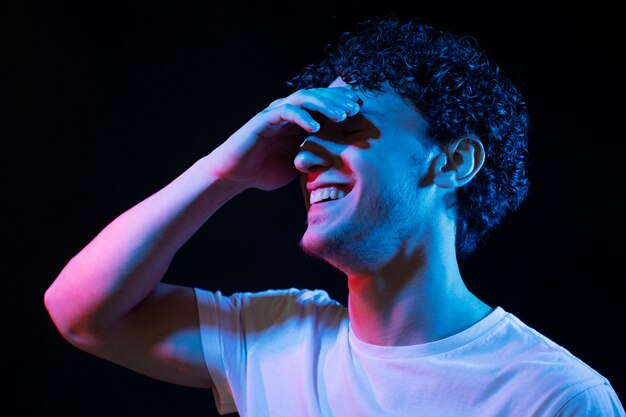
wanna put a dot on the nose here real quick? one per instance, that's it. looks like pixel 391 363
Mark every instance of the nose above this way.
pixel 314 155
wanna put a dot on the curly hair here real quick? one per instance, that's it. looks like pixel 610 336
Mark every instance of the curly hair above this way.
pixel 458 89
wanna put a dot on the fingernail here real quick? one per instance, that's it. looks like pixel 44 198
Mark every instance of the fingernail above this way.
pixel 354 110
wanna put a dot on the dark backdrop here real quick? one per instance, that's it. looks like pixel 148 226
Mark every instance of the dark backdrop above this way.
pixel 109 101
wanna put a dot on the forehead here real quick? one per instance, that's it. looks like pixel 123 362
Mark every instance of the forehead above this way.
pixel 387 107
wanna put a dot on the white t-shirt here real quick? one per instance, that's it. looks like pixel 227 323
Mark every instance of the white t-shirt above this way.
pixel 292 353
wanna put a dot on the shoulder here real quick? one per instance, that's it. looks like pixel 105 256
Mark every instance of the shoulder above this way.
pixel 531 346
pixel 552 371
pixel 294 296
pixel 596 400
pixel 533 349
pixel 271 305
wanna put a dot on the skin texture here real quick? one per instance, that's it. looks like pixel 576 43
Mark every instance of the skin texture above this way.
pixel 365 153
pixel 459 90
pixel 392 235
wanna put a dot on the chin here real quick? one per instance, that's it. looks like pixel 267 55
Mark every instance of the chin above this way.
pixel 330 248
pixel 312 244
pixel 319 245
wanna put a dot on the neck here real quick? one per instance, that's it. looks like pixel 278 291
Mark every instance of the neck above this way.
pixel 413 299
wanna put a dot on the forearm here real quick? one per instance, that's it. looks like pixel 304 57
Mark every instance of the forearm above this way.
pixel 122 265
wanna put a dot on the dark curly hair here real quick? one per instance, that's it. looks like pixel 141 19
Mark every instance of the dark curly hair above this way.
pixel 458 89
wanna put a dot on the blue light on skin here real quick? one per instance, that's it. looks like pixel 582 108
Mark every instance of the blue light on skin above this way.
pixel 392 233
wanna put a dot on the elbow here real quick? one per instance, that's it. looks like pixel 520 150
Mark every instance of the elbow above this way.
pixel 56 305
pixel 70 322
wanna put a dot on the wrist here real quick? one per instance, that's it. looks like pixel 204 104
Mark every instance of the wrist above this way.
pixel 210 171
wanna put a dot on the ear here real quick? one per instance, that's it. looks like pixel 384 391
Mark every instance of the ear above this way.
pixel 459 162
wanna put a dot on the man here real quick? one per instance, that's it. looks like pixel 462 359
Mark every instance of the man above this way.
pixel 410 147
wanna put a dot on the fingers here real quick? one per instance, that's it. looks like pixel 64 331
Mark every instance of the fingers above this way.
pixel 335 103
pixel 288 113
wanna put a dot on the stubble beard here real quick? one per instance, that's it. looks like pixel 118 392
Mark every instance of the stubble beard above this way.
pixel 355 243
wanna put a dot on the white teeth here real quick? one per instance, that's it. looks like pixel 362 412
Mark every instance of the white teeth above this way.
pixel 325 193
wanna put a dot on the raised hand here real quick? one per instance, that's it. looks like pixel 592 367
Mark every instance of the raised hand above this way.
pixel 260 154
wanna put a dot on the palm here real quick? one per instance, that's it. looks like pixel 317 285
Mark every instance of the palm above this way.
pixel 261 153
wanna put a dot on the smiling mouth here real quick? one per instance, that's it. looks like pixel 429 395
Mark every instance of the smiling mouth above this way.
pixel 325 194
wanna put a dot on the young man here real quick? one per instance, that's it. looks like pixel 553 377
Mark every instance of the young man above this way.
pixel 410 147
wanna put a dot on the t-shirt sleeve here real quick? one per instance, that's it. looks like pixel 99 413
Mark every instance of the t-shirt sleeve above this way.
pixel 598 400
pixel 231 325
pixel 216 310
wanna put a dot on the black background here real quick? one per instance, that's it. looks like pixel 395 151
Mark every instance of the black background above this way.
pixel 110 101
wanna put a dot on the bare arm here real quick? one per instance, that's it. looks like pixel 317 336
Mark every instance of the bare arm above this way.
pixel 109 299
